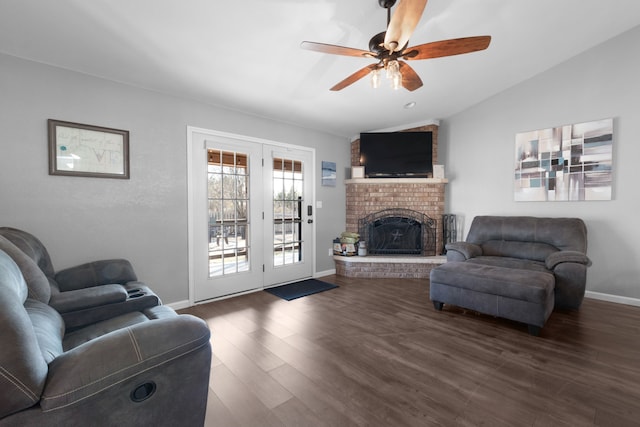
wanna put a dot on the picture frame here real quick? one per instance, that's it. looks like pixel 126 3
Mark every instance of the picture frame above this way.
pixel 357 172
pixel 438 171
pixel 77 149
pixel 328 174
pixel 565 163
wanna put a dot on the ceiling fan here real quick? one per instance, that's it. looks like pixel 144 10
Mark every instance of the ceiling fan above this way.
pixel 389 48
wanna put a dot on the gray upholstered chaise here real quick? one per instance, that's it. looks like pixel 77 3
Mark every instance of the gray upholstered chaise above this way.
pixel 519 268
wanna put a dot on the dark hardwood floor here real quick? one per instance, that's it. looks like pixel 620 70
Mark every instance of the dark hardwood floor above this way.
pixel 374 352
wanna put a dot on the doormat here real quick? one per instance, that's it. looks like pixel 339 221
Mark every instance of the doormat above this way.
pixel 300 289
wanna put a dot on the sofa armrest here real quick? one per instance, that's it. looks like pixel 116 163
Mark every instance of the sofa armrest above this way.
pixel 81 299
pixel 566 256
pixel 114 358
pixel 96 273
pixel 462 251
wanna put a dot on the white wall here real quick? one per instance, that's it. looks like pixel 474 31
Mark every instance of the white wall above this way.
pixel 145 218
pixel 479 145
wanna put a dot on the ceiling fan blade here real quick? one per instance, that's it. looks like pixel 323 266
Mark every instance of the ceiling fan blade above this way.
pixel 447 48
pixel 336 50
pixel 354 77
pixel 410 79
pixel 403 22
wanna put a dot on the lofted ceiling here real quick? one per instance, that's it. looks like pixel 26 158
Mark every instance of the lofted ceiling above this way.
pixel 246 55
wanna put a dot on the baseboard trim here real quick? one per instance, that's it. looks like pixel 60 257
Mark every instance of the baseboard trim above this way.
pixel 613 298
pixel 324 273
pixel 179 305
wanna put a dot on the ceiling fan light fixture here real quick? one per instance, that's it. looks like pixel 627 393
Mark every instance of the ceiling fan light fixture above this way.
pixel 375 78
pixel 393 73
pixel 395 81
pixel 393 68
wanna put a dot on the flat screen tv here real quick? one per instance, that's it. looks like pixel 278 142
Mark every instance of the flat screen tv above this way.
pixel 396 154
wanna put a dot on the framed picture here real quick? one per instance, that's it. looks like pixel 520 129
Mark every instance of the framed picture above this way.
pixel 565 163
pixel 357 172
pixel 328 174
pixel 86 150
pixel 438 171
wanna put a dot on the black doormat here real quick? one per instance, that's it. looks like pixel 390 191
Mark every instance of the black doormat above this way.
pixel 300 289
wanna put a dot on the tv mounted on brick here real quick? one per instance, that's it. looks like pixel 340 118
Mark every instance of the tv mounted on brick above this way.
pixel 396 154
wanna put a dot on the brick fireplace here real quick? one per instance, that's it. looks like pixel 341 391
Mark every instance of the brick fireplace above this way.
pixel 368 196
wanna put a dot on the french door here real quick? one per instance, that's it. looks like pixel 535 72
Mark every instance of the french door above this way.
pixel 251 214
pixel 288 215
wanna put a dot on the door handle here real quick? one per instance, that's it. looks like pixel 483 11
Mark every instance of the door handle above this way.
pixel 309 221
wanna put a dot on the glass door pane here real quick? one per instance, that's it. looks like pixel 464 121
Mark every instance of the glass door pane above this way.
pixel 287 211
pixel 228 196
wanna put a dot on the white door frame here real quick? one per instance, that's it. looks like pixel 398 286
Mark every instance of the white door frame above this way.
pixel 191 130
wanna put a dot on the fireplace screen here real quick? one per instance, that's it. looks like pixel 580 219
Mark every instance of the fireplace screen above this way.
pixel 398 232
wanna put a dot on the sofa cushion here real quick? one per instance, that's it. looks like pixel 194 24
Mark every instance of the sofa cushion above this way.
pixel 31 246
pixel 536 251
pixel 37 283
pixel 509 262
pixel 88 333
pixel 48 326
pixel 526 285
pixel 563 233
pixel 23 370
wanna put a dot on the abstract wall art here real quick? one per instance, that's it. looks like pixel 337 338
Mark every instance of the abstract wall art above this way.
pixel 565 163
pixel 328 174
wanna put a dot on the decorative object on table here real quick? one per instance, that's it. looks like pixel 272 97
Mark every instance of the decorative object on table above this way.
pixel 86 150
pixel 328 174
pixel 565 163
pixel 337 246
pixel 362 248
pixel 349 243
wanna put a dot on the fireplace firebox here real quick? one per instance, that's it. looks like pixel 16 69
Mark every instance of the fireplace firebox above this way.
pixel 398 232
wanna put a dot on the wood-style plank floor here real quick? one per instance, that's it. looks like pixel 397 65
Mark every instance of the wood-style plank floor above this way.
pixel 374 352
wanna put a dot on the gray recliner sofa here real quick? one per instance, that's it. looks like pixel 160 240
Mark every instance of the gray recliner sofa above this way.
pixel 87 293
pixel 148 367
pixel 515 267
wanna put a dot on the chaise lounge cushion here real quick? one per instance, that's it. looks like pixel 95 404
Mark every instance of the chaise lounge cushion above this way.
pixel 514 283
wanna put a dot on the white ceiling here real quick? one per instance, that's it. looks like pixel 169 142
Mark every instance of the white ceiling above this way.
pixel 245 55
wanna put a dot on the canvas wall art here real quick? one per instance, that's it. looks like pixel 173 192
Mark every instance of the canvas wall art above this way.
pixel 565 163
pixel 328 174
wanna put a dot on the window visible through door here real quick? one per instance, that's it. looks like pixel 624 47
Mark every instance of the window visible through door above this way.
pixel 228 197
pixel 288 187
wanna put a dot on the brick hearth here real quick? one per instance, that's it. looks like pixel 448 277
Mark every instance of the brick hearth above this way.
pixel 395 267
